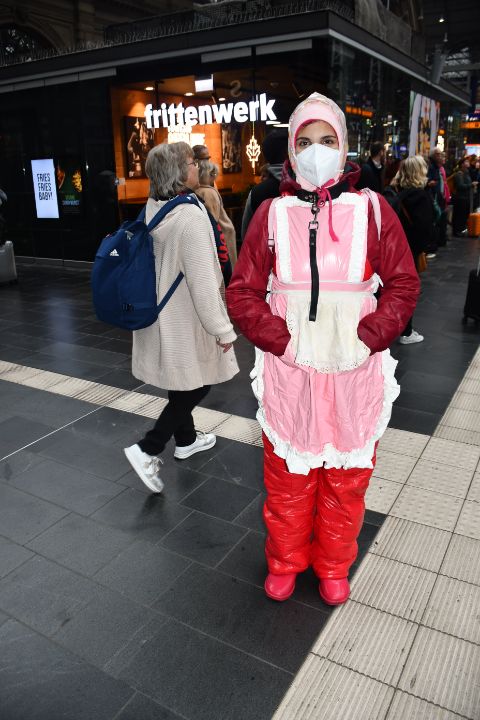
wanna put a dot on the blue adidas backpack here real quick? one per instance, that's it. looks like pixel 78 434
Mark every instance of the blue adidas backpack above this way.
pixel 124 285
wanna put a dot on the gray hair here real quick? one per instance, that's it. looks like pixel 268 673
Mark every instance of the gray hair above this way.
pixel 167 169
pixel 434 151
pixel 206 170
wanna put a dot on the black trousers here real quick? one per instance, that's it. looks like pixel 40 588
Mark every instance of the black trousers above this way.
pixel 461 211
pixel 176 419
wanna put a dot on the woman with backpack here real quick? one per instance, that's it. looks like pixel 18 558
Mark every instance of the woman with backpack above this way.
pixel 303 291
pixel 416 213
pixel 189 347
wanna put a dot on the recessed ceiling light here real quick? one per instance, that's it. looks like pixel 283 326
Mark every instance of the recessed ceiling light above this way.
pixel 189 94
pixel 149 87
pixel 441 19
pixel 221 99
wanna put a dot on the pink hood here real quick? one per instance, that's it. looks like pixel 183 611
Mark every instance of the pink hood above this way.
pixel 317 107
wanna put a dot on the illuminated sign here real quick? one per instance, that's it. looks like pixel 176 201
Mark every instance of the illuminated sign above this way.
pixel 44 187
pixel 470 125
pixel 351 110
pixel 223 113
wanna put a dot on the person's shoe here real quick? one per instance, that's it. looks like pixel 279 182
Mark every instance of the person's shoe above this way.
pixel 414 337
pixel 333 591
pixel 204 441
pixel 430 256
pixel 280 587
pixel 146 466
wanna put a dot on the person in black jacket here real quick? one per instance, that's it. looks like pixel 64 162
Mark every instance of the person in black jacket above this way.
pixel 275 149
pixel 462 199
pixel 415 209
pixel 372 173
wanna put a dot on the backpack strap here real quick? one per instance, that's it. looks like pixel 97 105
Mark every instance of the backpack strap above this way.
pixel 373 197
pixel 178 200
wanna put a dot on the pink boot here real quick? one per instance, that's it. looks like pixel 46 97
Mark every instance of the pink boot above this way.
pixel 280 587
pixel 334 591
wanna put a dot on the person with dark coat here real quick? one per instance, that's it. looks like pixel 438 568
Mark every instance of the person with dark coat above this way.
pixel 415 210
pixel 461 199
pixel 372 172
pixel 274 148
pixel 436 187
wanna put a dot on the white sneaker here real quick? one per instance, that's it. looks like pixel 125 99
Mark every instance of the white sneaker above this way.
pixel 410 339
pixel 204 441
pixel 146 467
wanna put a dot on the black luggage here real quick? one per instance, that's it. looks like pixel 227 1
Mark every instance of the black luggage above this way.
pixel 8 270
pixel 472 301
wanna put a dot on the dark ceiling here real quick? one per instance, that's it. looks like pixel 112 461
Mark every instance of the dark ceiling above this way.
pixel 460 30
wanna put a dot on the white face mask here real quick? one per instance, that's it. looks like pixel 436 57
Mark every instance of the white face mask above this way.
pixel 318 164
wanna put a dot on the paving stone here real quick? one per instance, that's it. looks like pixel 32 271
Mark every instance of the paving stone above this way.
pixel 327 691
pixel 393 466
pixel 45 595
pixel 453 609
pixel 18 432
pixel 381 494
pixel 406 706
pixel 368 641
pixel 445 671
pixel 411 543
pixel 429 508
pixel 102 628
pixel 88 455
pixel 279 633
pixel 244 686
pixel 403 442
pixel 66 486
pixel 393 587
pixel 40 680
pixel 219 498
pixel 203 538
pixel 239 463
pixel 469 520
pixel 462 560
pixel 11 556
pixel 142 572
pixel 448 452
pixel 247 560
pixel 252 516
pixel 22 516
pixel 81 544
pixel 474 490
pixel 444 479
pixel 469 437
pixel 141 707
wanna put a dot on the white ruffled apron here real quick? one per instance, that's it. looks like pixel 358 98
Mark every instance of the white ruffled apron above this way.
pixel 326 401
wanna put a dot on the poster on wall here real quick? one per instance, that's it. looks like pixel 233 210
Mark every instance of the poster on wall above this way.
pixel 69 183
pixel 232 148
pixel 139 141
pixel 43 175
pixel 424 120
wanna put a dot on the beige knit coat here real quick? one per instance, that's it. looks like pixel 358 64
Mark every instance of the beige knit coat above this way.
pixel 213 201
pixel 179 351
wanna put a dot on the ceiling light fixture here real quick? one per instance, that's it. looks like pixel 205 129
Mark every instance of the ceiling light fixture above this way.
pixel 189 94
pixel 441 19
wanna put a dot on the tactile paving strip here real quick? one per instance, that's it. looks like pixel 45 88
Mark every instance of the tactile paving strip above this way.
pixel 444 670
pixel 403 442
pixel 447 452
pixel 428 508
pixel 393 466
pixel 457 435
pixel 326 691
pixel 407 707
pixel 469 520
pixel 368 641
pixel 393 587
pixel 381 494
pixel 462 560
pixel 412 543
pixel 453 609
pixel 441 478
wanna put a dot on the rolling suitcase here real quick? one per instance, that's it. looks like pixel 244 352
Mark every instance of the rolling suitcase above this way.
pixel 473 224
pixel 472 301
pixel 8 270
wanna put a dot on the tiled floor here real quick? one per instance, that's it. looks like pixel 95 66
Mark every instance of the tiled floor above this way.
pixel 156 602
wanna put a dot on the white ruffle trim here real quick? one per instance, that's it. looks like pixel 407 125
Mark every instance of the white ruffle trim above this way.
pixel 302 463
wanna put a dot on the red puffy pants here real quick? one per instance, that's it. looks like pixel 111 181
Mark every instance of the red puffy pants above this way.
pixel 312 519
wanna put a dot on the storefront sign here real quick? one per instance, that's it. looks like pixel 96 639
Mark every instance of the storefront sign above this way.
pixel 352 110
pixel 470 125
pixel 223 113
pixel 43 174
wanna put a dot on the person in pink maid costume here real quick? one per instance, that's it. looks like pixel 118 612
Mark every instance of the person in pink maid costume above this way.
pixel 303 291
